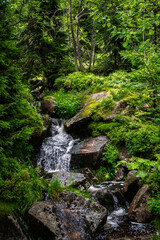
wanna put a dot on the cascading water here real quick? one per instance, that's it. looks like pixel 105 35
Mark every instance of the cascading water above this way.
pixel 118 226
pixel 55 153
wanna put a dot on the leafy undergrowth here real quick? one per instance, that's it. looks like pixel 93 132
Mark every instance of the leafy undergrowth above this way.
pixel 137 128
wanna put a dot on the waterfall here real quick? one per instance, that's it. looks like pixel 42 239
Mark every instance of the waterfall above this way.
pixel 55 152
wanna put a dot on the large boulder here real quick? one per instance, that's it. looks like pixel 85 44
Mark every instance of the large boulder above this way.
pixel 79 123
pixel 131 185
pixel 88 152
pixel 138 210
pixel 74 217
pixel 49 105
pixel 93 213
pixel 43 221
pixel 10 229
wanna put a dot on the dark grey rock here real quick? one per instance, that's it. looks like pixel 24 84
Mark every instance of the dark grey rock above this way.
pixel 49 105
pixel 73 217
pixel 43 221
pixel 10 229
pixel 138 210
pixel 38 137
pixel 93 213
pixel 88 152
pixel 131 185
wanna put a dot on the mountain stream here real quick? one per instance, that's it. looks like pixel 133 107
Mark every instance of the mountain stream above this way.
pixel 55 155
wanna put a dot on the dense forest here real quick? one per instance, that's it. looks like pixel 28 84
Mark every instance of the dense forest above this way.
pixel 67 50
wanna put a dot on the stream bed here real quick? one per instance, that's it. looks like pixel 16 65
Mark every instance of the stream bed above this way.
pixel 55 155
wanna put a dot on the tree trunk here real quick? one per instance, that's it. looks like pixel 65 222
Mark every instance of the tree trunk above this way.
pixel 93 46
pixel 78 47
pixel 73 38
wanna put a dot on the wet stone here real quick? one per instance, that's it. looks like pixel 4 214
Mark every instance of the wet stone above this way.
pixel 76 179
pixel 88 152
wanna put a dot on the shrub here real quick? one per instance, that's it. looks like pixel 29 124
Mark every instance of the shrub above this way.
pixel 101 173
pixel 78 81
pixel 109 158
pixel 149 171
pixel 19 184
pixel 67 103
pixel 143 141
pixel 54 188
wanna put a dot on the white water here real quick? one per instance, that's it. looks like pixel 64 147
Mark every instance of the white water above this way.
pixel 55 152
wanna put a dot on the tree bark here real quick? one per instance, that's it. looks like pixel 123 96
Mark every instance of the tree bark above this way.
pixel 78 46
pixel 93 46
pixel 73 37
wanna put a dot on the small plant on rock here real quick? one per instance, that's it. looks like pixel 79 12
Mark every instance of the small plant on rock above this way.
pixel 54 188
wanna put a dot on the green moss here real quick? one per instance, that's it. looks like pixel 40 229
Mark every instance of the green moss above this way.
pixel 84 193
pixel 89 106
pixel 51 98
pixel 6 208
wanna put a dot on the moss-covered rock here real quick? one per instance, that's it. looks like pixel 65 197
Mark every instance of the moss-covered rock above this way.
pixel 49 105
pixel 79 122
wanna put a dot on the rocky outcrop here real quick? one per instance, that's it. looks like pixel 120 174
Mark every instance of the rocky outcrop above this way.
pixel 43 221
pixel 10 229
pixel 120 106
pixel 120 173
pixel 138 210
pixel 79 180
pixel 93 213
pixel 74 217
pixel 124 154
pixel 131 185
pixel 48 105
pixel 88 152
pixel 79 123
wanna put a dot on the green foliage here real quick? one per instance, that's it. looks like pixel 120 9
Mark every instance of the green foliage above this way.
pixel 101 173
pixel 154 203
pixel 78 81
pixel 103 108
pixel 6 208
pixel 67 103
pixel 39 38
pixel 156 223
pixel 144 140
pixel 149 171
pixel 54 188
pixel 109 157
pixel 19 184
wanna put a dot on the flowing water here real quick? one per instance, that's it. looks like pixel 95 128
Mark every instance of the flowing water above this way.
pixel 118 225
pixel 55 153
